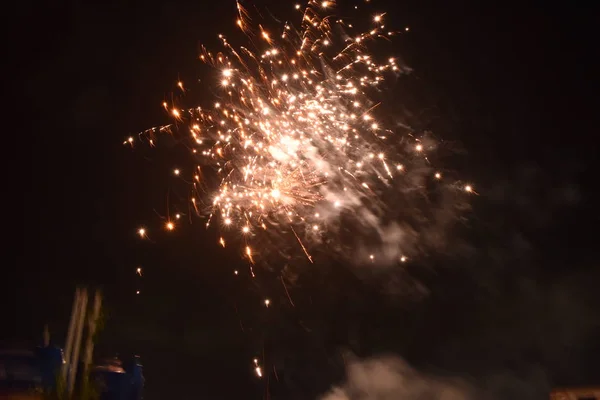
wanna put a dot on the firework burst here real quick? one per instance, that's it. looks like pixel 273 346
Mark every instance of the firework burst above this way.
pixel 295 136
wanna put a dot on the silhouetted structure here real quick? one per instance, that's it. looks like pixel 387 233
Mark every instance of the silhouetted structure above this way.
pixel 576 393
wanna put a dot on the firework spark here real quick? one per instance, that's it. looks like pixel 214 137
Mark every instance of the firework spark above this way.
pixel 257 368
pixel 294 136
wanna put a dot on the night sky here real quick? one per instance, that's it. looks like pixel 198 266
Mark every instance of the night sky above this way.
pixel 514 312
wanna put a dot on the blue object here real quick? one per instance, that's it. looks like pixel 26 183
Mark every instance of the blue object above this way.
pixel 137 379
pixel 50 360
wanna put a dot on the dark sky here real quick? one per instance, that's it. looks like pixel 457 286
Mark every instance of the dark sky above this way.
pixel 512 83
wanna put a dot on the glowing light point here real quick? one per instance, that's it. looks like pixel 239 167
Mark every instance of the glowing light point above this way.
pixel 227 221
pixel 142 232
pixel 468 189
pixel 372 257
pixel 438 175
pixel 403 259
pixel 419 147
pixel 246 229
pixel 139 271
pixel 176 171
pixel 170 226
pixel 137 292
pixel 235 272
pixel 227 73
pixel 297 6
pixel 267 302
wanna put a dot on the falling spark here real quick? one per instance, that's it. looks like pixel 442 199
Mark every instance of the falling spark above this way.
pixel 249 254
pixel 303 247
pixel 142 232
pixel 257 368
pixel 139 271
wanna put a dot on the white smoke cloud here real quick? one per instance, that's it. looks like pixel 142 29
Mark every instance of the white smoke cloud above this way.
pixel 390 378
